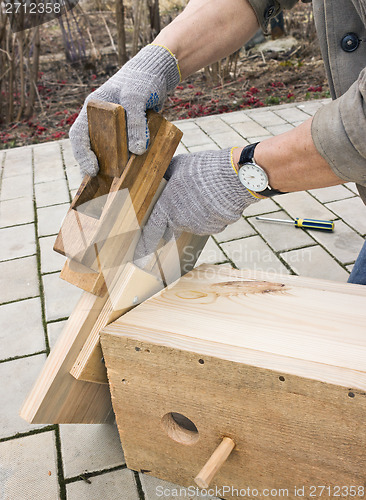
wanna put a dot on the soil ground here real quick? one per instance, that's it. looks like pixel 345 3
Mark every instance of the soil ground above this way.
pixel 255 79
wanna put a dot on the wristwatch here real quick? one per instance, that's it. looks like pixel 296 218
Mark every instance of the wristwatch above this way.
pixel 252 176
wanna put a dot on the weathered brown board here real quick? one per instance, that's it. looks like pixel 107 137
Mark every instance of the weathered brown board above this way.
pixel 276 363
pixel 93 233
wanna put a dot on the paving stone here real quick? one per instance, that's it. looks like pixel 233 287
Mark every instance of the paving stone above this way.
pixel 281 237
pixel 310 107
pixel 50 219
pixel 236 117
pixel 229 139
pixel 74 177
pixel 67 153
pixel 17 378
pixel 181 150
pixel 352 186
pixel 18 279
pixel 343 243
pixel 253 253
pixel 20 186
pixel 326 101
pixel 250 129
pixel 204 147
pixel 352 211
pixel 350 267
pixel 267 118
pixel 48 162
pixel 185 125
pixel 60 297
pixel 315 262
pixel 88 448
pixel 292 114
pixel 116 485
pixel 17 241
pixel 297 124
pixel 51 193
pixel 260 138
pixel 213 125
pixel 302 204
pixel 239 229
pixel 261 207
pixel 155 488
pixel 18 161
pixel 211 254
pixel 14 212
pixel 333 193
pixel 28 468
pixel 51 261
pixel 195 137
pixel 54 331
pixel 280 129
pixel 21 329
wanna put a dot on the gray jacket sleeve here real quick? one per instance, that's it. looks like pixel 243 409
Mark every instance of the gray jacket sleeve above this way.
pixel 338 132
pixel 265 10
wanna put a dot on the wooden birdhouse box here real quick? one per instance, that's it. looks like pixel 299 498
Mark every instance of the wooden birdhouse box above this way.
pixel 269 371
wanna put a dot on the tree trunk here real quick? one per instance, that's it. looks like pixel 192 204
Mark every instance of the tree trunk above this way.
pixel 120 18
pixel 154 18
pixel 33 77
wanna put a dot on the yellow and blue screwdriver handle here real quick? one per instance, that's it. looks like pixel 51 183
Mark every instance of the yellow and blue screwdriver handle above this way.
pixel 319 225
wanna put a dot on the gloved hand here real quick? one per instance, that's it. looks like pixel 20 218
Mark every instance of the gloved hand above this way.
pixel 202 197
pixel 141 84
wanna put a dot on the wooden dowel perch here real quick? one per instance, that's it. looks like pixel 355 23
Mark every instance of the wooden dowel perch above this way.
pixel 213 464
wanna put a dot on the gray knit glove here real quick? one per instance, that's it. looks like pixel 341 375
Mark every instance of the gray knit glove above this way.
pixel 203 196
pixel 141 84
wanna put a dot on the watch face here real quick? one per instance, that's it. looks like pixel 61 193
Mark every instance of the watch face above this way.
pixel 253 177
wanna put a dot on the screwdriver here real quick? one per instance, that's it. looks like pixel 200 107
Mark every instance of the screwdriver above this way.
pixel 320 225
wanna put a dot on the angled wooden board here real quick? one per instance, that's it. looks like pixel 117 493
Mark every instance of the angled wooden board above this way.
pixel 170 262
pixel 57 397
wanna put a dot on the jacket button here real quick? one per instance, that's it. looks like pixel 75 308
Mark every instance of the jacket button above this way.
pixel 269 12
pixel 350 42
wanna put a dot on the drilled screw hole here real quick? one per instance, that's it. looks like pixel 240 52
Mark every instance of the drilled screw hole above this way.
pixel 351 394
pixel 201 361
pixel 282 378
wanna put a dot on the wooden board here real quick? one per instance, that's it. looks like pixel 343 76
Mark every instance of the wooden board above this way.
pixel 108 138
pixel 107 210
pixel 301 325
pixel 277 363
pixel 134 288
pixel 289 431
pixel 171 262
pixel 57 397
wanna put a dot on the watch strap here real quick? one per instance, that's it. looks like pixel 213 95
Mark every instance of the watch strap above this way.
pixel 246 156
pixel 247 153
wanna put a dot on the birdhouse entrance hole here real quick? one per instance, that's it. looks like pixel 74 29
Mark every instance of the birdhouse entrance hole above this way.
pixel 180 428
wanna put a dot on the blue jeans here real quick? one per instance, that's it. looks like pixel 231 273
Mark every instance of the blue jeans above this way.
pixel 358 274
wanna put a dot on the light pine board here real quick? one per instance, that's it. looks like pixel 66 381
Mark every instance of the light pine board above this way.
pixel 307 327
pixel 276 363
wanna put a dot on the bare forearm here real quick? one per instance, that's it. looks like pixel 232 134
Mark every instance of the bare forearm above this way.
pixel 208 30
pixel 292 162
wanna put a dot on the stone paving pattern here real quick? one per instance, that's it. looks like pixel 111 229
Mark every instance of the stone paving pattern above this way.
pixel 37 184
